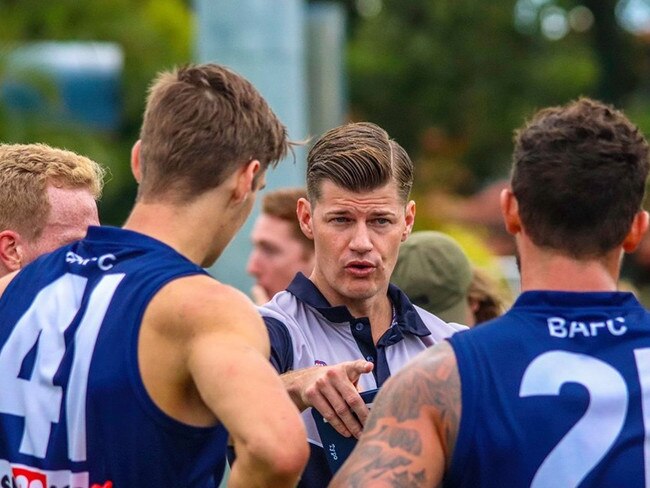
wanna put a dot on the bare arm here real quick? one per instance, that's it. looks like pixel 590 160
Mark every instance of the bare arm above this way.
pixel 216 369
pixel 411 432
pixel 332 390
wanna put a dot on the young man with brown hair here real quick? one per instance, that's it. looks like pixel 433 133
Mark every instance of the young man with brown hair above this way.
pixel 280 249
pixel 47 199
pixel 555 392
pixel 122 362
pixel 346 320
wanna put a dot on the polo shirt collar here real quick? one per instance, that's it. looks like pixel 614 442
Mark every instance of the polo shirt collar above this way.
pixel 407 319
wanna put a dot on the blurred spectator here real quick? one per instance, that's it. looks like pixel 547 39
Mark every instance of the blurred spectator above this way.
pixel 435 273
pixel 280 249
pixel 486 298
pixel 481 213
pixel 636 272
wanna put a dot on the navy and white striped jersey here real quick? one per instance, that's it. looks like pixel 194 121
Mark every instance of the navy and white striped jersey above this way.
pixel 555 393
pixel 306 331
pixel 74 412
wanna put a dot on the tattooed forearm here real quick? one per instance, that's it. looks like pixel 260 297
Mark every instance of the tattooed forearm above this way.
pixel 430 381
pixel 412 427
pixel 408 480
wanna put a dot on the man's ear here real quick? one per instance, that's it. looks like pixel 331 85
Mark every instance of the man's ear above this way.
pixel 135 161
pixel 409 216
pixel 303 210
pixel 245 181
pixel 637 230
pixel 10 250
pixel 510 211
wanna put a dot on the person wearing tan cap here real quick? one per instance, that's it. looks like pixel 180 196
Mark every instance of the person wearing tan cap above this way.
pixel 435 273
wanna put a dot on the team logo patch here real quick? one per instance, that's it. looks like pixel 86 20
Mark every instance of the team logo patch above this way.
pixel 20 476
pixel 318 362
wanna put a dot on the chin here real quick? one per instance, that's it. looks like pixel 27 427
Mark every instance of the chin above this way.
pixel 359 293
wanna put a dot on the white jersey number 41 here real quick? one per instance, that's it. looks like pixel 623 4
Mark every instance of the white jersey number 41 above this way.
pixel 43 325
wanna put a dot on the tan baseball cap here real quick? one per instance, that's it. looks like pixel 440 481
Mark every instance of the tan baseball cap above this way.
pixel 435 273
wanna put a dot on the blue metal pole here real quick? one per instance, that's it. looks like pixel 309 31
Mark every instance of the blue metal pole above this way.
pixel 262 40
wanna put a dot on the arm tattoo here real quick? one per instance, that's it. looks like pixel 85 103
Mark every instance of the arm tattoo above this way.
pixel 417 408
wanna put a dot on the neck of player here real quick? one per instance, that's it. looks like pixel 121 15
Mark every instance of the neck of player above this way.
pixel 543 269
pixel 199 230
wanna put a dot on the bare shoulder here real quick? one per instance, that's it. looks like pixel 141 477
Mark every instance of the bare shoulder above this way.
pixel 5 280
pixel 198 304
pixel 193 328
pixel 412 429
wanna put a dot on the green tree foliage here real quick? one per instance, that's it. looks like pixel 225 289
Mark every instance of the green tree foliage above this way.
pixel 153 34
pixel 451 79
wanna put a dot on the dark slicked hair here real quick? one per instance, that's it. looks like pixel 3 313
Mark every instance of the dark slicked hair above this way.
pixel 202 122
pixel 579 174
pixel 358 157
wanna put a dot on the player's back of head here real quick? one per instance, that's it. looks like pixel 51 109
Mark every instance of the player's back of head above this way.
pixel 579 175
pixel 201 123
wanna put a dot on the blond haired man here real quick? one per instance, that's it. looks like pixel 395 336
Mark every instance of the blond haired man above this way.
pixel 47 199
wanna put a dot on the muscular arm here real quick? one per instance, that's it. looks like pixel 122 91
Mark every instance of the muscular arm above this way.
pixel 411 432
pixel 203 355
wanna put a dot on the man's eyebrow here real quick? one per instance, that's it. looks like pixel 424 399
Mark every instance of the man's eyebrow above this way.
pixel 341 211
pixel 265 244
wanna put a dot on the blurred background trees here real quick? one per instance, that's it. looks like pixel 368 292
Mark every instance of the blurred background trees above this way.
pixel 153 34
pixel 449 79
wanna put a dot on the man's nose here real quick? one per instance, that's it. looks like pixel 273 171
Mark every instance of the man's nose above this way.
pixel 252 266
pixel 361 241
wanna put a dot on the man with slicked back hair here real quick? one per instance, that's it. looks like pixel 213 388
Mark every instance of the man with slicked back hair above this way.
pixel 345 329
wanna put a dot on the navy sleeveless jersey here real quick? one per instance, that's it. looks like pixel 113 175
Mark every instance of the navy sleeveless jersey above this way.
pixel 556 393
pixel 74 412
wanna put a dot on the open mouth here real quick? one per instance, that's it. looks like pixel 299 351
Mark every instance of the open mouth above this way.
pixel 360 268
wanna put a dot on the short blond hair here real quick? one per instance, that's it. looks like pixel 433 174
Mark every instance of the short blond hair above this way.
pixel 25 172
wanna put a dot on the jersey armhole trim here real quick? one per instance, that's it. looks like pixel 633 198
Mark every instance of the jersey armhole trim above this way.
pixel 466 425
pixel 147 404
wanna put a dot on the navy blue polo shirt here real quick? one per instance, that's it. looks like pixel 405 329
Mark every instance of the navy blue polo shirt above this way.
pixel 305 331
